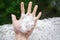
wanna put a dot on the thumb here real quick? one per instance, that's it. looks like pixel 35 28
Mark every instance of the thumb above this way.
pixel 13 17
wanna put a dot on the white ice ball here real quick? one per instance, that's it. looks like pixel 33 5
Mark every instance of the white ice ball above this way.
pixel 27 23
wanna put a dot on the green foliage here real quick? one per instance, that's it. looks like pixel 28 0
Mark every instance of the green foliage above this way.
pixel 50 8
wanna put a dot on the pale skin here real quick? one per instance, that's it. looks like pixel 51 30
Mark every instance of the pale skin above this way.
pixel 18 34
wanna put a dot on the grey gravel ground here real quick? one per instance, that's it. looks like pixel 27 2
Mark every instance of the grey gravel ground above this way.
pixel 46 29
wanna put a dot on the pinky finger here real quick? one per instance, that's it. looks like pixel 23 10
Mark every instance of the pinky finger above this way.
pixel 39 15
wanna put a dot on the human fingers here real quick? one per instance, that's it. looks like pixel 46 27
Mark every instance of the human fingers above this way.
pixel 29 8
pixel 39 15
pixel 22 8
pixel 13 18
pixel 35 9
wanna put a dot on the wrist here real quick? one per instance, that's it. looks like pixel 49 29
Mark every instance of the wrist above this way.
pixel 23 38
pixel 20 37
pixel 17 36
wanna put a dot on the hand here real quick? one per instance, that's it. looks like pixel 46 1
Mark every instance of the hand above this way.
pixel 16 22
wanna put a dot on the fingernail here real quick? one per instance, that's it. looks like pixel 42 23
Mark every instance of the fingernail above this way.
pixel 22 2
pixel 30 2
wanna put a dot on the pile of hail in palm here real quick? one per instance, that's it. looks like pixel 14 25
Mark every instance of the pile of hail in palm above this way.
pixel 27 23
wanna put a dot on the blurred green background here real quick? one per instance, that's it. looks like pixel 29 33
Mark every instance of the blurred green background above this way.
pixel 50 8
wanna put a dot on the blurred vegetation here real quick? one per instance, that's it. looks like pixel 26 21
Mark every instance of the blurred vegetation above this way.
pixel 50 8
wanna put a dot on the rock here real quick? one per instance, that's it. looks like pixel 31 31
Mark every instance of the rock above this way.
pixel 46 29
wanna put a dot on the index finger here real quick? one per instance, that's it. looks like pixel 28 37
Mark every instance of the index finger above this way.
pixel 22 7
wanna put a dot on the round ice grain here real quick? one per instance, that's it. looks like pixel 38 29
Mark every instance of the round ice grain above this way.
pixel 27 23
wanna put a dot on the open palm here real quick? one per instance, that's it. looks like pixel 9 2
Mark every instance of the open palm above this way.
pixel 16 22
